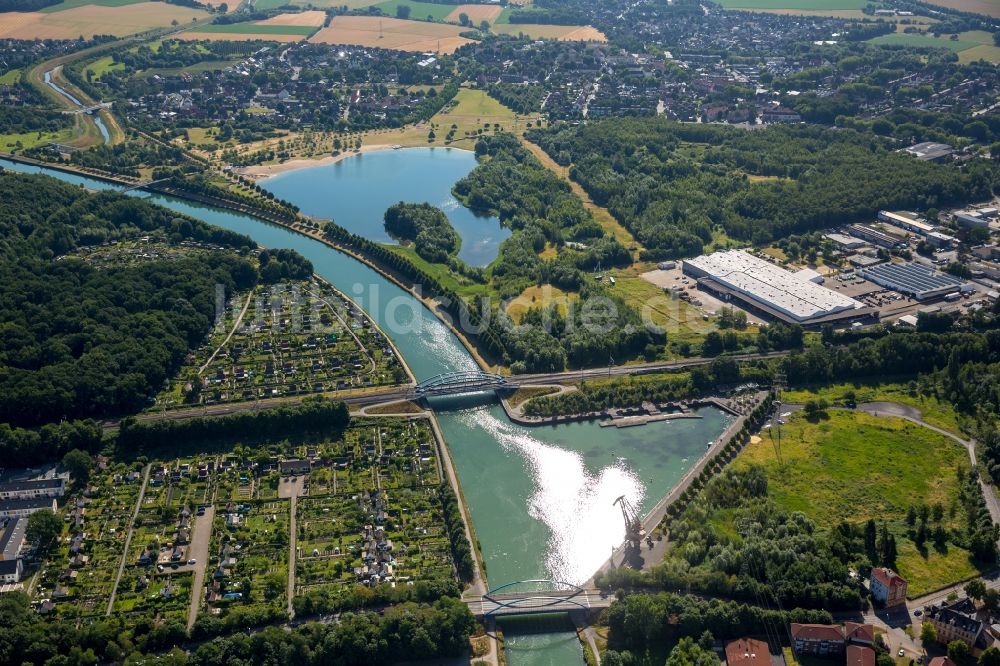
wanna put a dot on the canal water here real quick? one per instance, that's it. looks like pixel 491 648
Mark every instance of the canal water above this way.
pixel 540 498
pixel 65 93
pixel 356 191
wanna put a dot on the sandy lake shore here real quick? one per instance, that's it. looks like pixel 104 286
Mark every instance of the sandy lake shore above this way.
pixel 267 170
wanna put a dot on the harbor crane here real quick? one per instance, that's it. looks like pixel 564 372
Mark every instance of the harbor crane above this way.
pixel 634 532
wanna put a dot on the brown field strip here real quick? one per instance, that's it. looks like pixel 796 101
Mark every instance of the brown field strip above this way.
pixel 90 20
pixel 476 13
pixel 562 33
pixel 312 19
pixel 195 36
pixel 390 33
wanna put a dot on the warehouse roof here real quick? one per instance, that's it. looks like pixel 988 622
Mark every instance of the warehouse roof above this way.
pixel 911 278
pixel 763 281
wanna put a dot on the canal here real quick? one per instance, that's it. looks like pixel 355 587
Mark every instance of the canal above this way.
pixel 540 498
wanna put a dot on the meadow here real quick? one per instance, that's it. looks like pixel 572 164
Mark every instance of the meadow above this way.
pixel 853 466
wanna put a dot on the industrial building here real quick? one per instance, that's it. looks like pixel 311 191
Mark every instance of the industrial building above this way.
pixel 905 223
pixel 770 289
pixel 877 236
pixel 929 151
pixel 912 279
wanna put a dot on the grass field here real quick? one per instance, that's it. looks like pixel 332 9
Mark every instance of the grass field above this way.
pixel 932 410
pixel 562 33
pixel 970 46
pixel 70 4
pixel 857 467
pixel 10 78
pixel 89 20
pixel 418 10
pixel 9 142
pixel 102 66
pixel 391 33
pixel 539 296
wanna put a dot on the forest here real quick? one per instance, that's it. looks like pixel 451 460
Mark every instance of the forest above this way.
pixel 675 186
pixel 426 226
pixel 81 341
pixel 406 631
pixel 20 120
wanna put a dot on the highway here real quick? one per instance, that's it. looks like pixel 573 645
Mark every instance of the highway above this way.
pixel 397 393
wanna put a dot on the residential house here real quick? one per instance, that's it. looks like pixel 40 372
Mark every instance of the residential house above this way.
pixel 24 507
pixel 830 639
pixel 12 539
pixel 747 652
pixel 30 489
pixel 11 570
pixel 859 655
pixel 956 621
pixel 887 587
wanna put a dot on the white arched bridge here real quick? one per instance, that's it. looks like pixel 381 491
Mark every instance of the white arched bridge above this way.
pixel 534 597
pixel 465 381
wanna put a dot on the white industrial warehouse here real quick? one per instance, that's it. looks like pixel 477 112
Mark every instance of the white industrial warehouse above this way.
pixel 790 296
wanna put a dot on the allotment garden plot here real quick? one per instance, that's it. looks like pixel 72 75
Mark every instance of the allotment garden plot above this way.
pixel 288 339
pixel 78 576
pixel 373 515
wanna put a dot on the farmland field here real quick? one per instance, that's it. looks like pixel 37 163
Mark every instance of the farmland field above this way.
pixel 70 4
pixel 312 18
pixel 260 30
pixel 562 33
pixel 90 20
pixel 988 7
pixel 390 33
pixel 793 4
pixel 476 13
pixel 970 46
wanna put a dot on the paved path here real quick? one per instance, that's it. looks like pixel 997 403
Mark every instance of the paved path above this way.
pixel 128 540
pixel 232 331
pixel 200 540
pixel 293 533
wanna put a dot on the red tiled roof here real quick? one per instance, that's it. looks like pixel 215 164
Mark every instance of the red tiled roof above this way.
pixel 858 655
pixel 747 652
pixel 942 661
pixel 818 632
pixel 859 632
pixel 887 577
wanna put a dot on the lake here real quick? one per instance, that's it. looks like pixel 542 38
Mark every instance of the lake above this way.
pixel 355 192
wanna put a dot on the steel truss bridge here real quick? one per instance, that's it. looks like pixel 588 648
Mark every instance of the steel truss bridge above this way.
pixel 467 381
pixel 542 596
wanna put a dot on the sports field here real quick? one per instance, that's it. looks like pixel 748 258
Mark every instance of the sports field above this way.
pixel 89 20
pixel 390 33
pixel 476 13
pixel 562 33
pixel 970 46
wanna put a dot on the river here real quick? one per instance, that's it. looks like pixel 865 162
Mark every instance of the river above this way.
pixel 540 498
pixel 65 93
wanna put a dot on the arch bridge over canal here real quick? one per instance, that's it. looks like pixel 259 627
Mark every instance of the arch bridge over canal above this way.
pixel 465 381
pixel 533 597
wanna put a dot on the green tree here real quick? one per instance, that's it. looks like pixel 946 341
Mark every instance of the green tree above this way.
pixel 80 465
pixel 958 651
pixel 990 657
pixel 928 634
pixel 403 11
pixel 975 589
pixel 689 653
pixel 44 527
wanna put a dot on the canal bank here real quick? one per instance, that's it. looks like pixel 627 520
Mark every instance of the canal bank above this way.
pixel 540 499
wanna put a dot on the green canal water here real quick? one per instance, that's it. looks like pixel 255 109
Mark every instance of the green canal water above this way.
pixel 541 498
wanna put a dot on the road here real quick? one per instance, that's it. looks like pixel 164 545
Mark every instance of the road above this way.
pixel 128 539
pixel 198 550
pixel 399 393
